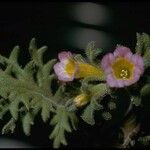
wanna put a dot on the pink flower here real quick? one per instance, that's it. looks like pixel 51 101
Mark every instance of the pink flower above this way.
pixel 66 68
pixel 122 68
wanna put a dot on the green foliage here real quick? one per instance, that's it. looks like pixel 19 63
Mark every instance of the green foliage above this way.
pixel 112 105
pixel 145 90
pixel 79 58
pixel 136 100
pixel 27 121
pixel 86 83
pixel 144 140
pixel 9 126
pixel 61 123
pixel 46 109
pixel 106 115
pixel 143 47
pixel 27 91
pixel 97 92
pixel 88 113
pixel 92 52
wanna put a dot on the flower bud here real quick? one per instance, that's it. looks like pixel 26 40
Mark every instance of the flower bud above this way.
pixel 81 100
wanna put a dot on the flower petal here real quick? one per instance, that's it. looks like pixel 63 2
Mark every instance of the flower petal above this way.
pixel 59 69
pixel 138 61
pixel 111 81
pixel 64 55
pixel 128 82
pixel 122 51
pixel 107 61
pixel 136 78
pixel 120 83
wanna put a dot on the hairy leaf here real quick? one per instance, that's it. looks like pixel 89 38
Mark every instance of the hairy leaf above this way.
pixel 92 52
pixel 88 113
pixel 144 140
pixel 46 109
pixel 27 121
pixel 62 125
pixel 9 126
pixel 145 90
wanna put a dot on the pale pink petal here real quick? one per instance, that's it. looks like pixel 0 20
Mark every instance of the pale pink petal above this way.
pixel 122 51
pixel 108 70
pixel 137 71
pixel 66 78
pixel 138 61
pixel 128 55
pixel 59 69
pixel 136 78
pixel 120 83
pixel 107 60
pixel 111 81
pixel 128 82
pixel 64 55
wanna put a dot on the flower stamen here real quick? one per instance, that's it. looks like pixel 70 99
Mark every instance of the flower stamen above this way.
pixel 124 74
pixel 123 68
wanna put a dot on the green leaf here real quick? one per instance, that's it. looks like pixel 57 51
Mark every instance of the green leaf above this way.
pixel 139 44
pixel 73 120
pixel 136 100
pixel 86 82
pixel 143 47
pixel 146 57
pixel 4 91
pixel 143 43
pixel 25 100
pixel 112 105
pixel 144 140
pixel 13 107
pixel 40 53
pixel 35 105
pixel 145 90
pixel 79 58
pixel 29 71
pixel 99 90
pixel 88 113
pixel 106 115
pixel 36 53
pixel 146 40
pixel 27 121
pixel 32 46
pixel 59 93
pixel 62 125
pixel 92 52
pixel 48 67
pixel 14 54
pixel 9 126
pixel 46 108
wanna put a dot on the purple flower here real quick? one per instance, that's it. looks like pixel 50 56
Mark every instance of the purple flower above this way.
pixel 122 68
pixel 66 68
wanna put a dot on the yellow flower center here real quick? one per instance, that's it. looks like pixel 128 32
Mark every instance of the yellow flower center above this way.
pixel 70 67
pixel 122 68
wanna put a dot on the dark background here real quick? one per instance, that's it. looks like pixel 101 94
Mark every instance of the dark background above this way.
pixel 54 24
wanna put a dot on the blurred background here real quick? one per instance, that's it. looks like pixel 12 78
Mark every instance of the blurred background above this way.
pixel 67 26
